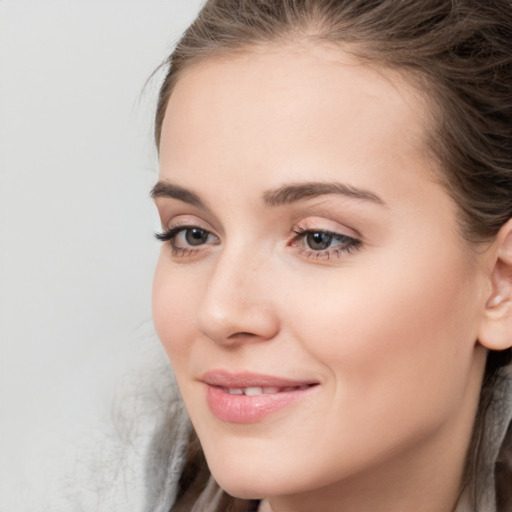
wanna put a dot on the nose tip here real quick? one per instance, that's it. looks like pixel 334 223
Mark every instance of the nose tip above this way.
pixel 234 326
pixel 236 309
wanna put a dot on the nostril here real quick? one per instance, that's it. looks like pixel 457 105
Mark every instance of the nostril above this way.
pixel 237 335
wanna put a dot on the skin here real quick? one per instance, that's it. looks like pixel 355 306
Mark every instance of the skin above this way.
pixel 387 329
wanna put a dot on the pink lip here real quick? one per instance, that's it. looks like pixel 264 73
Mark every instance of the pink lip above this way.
pixel 241 408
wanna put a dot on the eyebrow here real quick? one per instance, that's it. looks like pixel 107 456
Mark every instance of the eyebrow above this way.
pixel 166 189
pixel 299 191
pixel 283 195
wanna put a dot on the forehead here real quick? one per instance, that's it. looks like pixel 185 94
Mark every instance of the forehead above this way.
pixel 290 106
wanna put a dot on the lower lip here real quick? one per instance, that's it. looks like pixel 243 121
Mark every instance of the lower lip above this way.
pixel 250 409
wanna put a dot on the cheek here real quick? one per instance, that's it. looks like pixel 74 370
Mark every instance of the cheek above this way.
pixel 405 335
pixel 173 309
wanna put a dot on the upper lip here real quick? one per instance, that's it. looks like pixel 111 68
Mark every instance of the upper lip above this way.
pixel 225 379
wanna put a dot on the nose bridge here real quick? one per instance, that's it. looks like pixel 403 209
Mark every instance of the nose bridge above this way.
pixel 236 304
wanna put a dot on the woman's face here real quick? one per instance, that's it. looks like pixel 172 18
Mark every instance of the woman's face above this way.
pixel 315 298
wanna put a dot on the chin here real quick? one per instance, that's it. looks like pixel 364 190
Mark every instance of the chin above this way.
pixel 253 483
pixel 245 492
pixel 259 479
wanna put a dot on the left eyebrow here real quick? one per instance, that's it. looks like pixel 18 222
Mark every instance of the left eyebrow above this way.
pixel 294 192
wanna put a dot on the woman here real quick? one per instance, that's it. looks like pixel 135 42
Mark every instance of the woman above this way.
pixel 334 290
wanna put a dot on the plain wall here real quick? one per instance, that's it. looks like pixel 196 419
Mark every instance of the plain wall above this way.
pixel 77 162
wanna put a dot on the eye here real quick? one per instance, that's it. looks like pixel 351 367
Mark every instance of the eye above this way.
pixel 187 240
pixel 193 236
pixel 322 244
pixel 319 240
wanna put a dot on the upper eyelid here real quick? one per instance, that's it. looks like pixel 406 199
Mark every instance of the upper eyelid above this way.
pixel 326 225
pixel 190 221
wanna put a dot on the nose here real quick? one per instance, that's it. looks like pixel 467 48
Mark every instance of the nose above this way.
pixel 237 305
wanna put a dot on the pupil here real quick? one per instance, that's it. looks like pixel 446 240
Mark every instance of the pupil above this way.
pixel 319 241
pixel 196 236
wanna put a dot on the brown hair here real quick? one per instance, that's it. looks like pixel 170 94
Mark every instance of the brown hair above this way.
pixel 458 53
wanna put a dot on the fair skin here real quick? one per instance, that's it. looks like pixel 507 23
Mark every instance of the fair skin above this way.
pixel 365 291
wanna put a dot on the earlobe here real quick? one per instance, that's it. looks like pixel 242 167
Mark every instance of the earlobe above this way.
pixel 496 327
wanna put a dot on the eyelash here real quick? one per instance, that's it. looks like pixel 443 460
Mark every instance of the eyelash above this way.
pixel 347 244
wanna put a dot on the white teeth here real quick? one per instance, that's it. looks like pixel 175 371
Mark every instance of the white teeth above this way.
pixel 267 390
pixel 253 391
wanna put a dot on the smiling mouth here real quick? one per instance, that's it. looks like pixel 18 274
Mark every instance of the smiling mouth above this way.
pixel 248 397
pixel 267 390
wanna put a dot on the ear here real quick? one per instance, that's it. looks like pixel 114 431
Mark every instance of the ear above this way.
pixel 496 326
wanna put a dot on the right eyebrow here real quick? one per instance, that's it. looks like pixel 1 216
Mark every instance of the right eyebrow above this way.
pixel 166 189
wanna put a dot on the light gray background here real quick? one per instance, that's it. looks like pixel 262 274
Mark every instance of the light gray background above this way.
pixel 76 249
